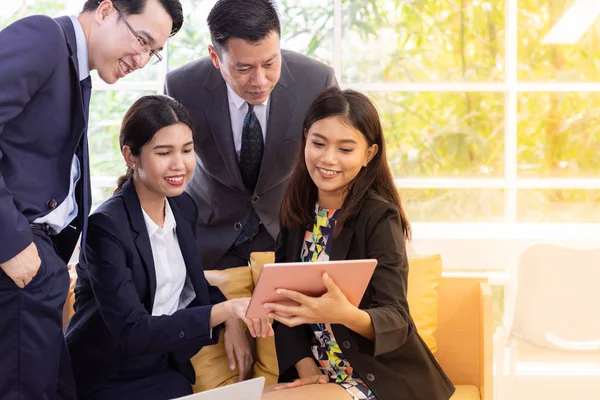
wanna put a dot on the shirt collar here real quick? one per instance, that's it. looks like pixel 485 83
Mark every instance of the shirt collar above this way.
pixel 169 225
pixel 82 49
pixel 237 101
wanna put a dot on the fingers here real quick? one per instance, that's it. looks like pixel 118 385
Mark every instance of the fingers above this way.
pixel 250 326
pixel 296 296
pixel 266 328
pixel 329 283
pixel 282 309
pixel 290 321
pixel 248 361
pixel 309 380
pixel 230 354
pixel 242 366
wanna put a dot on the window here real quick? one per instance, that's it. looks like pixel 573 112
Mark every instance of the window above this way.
pixel 490 107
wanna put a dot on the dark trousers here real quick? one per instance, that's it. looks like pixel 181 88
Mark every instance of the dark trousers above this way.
pixel 238 256
pixel 34 360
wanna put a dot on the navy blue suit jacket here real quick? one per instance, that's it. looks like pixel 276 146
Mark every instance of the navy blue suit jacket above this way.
pixel 115 291
pixel 42 124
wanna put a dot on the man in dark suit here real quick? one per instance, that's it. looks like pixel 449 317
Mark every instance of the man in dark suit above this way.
pixel 44 170
pixel 248 99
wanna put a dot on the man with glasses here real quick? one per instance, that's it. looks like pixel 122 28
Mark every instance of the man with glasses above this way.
pixel 44 170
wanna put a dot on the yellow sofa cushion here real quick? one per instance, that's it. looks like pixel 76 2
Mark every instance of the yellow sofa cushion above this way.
pixel 424 278
pixel 211 364
pixel 466 392
pixel 266 357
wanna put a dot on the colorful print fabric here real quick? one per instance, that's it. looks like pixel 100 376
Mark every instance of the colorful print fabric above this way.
pixel 317 245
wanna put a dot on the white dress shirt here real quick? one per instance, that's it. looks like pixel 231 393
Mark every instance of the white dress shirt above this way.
pixel 66 212
pixel 174 289
pixel 238 108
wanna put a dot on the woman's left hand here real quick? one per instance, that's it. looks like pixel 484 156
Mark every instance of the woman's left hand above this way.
pixel 332 307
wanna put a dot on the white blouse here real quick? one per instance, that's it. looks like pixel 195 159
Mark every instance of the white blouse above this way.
pixel 174 289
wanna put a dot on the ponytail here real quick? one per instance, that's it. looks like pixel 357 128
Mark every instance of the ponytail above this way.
pixel 123 178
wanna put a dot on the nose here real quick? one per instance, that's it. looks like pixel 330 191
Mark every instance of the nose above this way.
pixel 177 163
pixel 329 156
pixel 259 78
pixel 140 59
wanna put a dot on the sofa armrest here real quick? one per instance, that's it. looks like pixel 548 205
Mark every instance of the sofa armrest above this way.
pixel 486 361
pixel 464 334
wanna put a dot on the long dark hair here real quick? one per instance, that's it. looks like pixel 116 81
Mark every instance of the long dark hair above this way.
pixel 358 112
pixel 146 116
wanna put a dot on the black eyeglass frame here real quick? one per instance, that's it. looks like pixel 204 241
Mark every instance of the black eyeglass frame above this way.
pixel 143 42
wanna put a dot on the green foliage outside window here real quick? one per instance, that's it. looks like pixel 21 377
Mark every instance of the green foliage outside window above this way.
pixel 429 134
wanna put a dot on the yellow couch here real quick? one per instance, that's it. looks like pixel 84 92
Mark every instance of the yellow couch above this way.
pixel 463 334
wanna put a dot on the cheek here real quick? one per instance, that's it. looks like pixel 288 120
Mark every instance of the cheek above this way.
pixel 190 164
pixel 308 157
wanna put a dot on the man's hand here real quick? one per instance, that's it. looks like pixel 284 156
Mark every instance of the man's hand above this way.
pixel 23 267
pixel 237 348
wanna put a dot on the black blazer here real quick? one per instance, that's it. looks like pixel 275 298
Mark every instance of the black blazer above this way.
pixel 397 364
pixel 115 291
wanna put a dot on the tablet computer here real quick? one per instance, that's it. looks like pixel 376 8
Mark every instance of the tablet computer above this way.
pixel 351 276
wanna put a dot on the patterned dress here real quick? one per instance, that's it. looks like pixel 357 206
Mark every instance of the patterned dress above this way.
pixel 317 247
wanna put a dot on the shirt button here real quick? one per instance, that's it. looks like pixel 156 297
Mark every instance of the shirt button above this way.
pixel 254 199
pixel 181 335
pixel 346 344
pixel 238 226
pixel 51 204
pixel 370 377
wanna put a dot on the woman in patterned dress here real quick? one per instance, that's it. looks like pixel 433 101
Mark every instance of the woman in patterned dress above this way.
pixel 342 204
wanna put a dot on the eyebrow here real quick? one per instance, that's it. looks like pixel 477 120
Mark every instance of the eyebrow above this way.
pixel 170 146
pixel 340 141
pixel 243 65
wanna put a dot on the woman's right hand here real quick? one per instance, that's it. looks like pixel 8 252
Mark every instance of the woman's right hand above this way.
pixel 258 327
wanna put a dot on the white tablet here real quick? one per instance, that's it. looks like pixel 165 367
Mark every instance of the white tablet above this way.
pixel 352 277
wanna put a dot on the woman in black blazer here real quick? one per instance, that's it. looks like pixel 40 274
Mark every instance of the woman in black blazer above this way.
pixel 342 204
pixel 142 305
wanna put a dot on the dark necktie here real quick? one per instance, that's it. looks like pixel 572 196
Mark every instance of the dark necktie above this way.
pixel 251 154
pixel 251 151
pixel 86 92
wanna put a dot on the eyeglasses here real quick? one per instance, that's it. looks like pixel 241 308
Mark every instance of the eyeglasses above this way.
pixel 142 42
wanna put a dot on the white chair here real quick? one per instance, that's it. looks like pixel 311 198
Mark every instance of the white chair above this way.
pixel 550 341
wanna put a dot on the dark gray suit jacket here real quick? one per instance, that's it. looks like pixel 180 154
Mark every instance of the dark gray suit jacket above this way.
pixel 223 201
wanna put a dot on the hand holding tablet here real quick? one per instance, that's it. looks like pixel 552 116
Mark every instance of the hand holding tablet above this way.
pixel 351 276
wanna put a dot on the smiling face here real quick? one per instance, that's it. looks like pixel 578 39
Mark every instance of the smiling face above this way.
pixel 113 49
pixel 165 164
pixel 334 155
pixel 251 69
